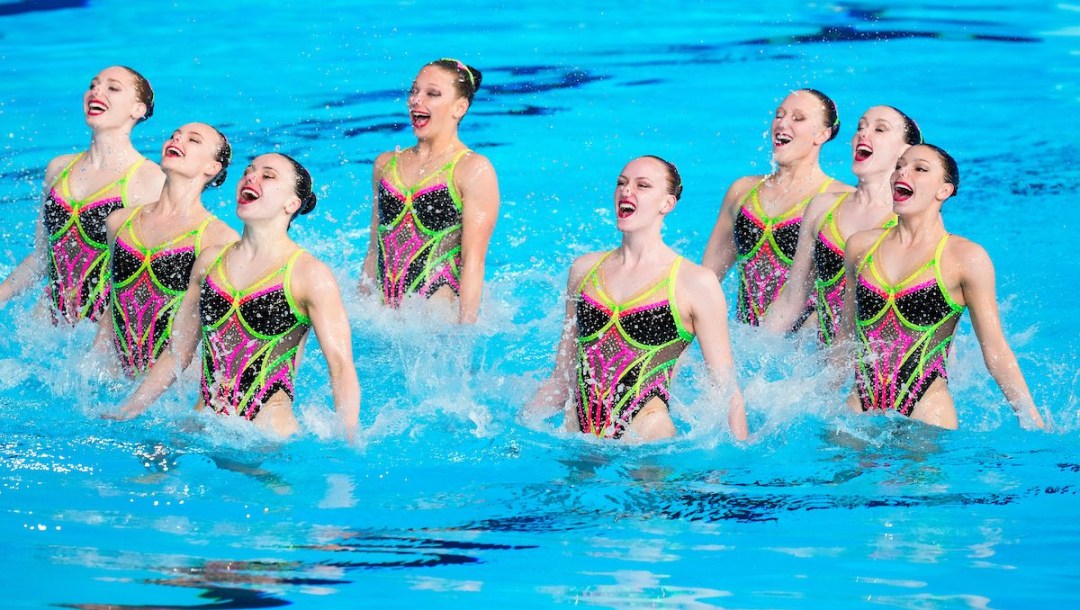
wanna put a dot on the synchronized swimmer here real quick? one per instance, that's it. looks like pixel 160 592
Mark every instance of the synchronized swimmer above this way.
pixel 128 244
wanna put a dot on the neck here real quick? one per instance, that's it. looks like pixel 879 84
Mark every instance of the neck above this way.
pixel 641 246
pixel 437 146
pixel 180 196
pixel 874 190
pixel 265 240
pixel 927 225
pixel 798 171
pixel 111 148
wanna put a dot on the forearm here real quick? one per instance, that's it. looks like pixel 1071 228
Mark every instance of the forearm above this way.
pixel 346 389
pixel 470 292
pixel 724 384
pixel 161 376
pixel 1005 370
pixel 25 274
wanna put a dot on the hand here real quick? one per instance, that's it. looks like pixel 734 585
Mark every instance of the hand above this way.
pixel 121 415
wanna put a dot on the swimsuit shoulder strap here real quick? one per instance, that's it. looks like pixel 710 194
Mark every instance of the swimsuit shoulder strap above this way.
pixel 753 198
pixel 830 216
pixel 287 287
pixel 940 280
pixel 449 169
pixel 593 272
pixel 199 233
pixel 672 305
pixel 126 179
pixel 825 185
pixel 62 177
pixel 866 259
pixel 129 224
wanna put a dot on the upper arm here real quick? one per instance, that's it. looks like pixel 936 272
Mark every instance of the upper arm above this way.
pixel 146 184
pixel 703 300
pixel 720 249
pixel 475 179
pixel 977 284
pixel 316 290
pixel 218 234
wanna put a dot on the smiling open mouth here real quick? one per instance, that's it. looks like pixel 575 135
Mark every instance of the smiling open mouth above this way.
pixel 902 191
pixel 863 152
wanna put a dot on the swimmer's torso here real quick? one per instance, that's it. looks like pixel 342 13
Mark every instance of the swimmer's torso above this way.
pixel 251 338
pixel 626 352
pixel 765 249
pixel 147 287
pixel 830 281
pixel 904 330
pixel 78 266
pixel 419 233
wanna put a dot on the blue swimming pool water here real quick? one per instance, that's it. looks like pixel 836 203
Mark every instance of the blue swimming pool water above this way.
pixel 449 500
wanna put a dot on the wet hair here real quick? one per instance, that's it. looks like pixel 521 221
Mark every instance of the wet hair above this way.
pixel 223 156
pixel 832 117
pixel 143 91
pixel 302 188
pixel 674 180
pixel 912 133
pixel 468 78
pixel 952 170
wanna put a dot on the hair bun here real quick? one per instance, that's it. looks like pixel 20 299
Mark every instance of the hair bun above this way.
pixel 307 204
pixel 219 178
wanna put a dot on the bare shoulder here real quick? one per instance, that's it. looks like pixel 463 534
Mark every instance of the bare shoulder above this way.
pixel 965 249
pixel 741 186
pixel 820 205
pixel 966 257
pixel 381 161
pixel 205 260
pixel 311 272
pixel 57 165
pixel 147 183
pixel 582 265
pixel 117 218
pixel 474 162
pixel 218 233
pixel 839 187
pixel 695 277
pixel 859 243
pixel 312 280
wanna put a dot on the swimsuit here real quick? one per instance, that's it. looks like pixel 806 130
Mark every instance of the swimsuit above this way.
pixel 147 287
pixel 830 282
pixel 419 233
pixel 78 255
pixel 626 352
pixel 251 339
pixel 765 248
pixel 905 333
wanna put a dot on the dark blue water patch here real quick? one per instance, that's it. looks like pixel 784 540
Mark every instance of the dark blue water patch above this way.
pixel 727 506
pixel 222 598
pixel 361 97
pixel 19 7
pixel 645 82
pixel 388 127
pixel 844 33
pixel 550 80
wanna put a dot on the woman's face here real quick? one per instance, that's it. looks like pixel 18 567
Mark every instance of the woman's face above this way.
pixel 878 141
pixel 267 189
pixel 641 194
pixel 112 99
pixel 918 182
pixel 192 151
pixel 434 103
pixel 798 126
